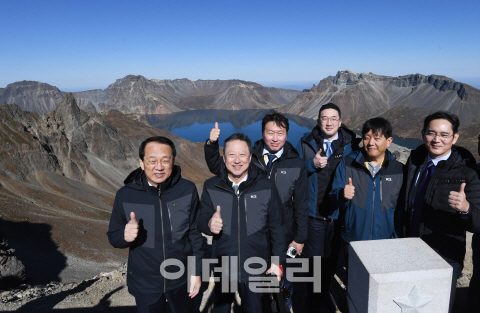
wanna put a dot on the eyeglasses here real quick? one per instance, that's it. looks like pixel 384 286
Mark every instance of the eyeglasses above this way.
pixel 333 119
pixel 153 163
pixel 432 135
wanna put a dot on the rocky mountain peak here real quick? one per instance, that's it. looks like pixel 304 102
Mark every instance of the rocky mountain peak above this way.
pixel 72 118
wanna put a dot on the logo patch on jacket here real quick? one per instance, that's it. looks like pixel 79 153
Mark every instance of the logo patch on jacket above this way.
pixel 388 178
pixel 253 196
pixel 283 172
pixel 338 156
pixel 175 204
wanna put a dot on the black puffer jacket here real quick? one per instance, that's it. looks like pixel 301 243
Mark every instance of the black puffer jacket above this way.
pixel 290 177
pixel 444 228
pixel 168 229
pixel 252 221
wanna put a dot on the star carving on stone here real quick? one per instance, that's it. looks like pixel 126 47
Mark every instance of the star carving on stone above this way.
pixel 414 302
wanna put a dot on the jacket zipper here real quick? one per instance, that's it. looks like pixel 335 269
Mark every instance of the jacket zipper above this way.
pixel 373 208
pixel 163 236
pixel 239 255
pixel 170 219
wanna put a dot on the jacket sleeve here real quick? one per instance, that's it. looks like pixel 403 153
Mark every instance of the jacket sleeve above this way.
pixel 309 164
pixel 471 220
pixel 300 206
pixel 338 185
pixel 276 226
pixel 206 212
pixel 194 235
pixel 213 158
pixel 116 228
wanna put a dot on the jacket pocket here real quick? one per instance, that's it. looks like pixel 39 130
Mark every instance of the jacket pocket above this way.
pixel 145 216
pixel 179 215
pixel 256 210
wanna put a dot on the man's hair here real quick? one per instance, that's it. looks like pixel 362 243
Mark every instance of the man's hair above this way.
pixel 444 115
pixel 330 105
pixel 278 118
pixel 157 139
pixel 238 136
pixel 377 125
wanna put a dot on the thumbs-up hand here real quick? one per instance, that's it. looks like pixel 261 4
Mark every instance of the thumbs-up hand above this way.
pixel 458 200
pixel 214 133
pixel 319 160
pixel 216 222
pixel 131 229
pixel 349 190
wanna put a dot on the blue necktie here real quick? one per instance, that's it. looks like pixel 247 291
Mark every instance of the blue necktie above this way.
pixel 271 157
pixel 420 190
pixel 328 151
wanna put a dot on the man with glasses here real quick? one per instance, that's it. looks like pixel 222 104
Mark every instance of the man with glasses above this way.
pixel 442 198
pixel 155 215
pixel 322 149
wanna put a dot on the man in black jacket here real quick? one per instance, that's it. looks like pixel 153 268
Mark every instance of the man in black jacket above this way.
pixel 241 210
pixel 442 199
pixel 286 170
pixel 155 216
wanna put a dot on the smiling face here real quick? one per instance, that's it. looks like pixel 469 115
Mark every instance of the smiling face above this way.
pixel 274 137
pixel 157 162
pixel 237 158
pixel 329 122
pixel 439 138
pixel 375 145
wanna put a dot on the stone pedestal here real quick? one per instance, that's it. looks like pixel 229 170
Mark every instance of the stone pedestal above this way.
pixel 397 275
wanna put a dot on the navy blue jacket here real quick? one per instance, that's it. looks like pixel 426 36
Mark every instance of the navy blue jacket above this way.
pixel 320 179
pixel 167 216
pixel 370 214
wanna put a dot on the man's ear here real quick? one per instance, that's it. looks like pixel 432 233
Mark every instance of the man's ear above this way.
pixel 142 165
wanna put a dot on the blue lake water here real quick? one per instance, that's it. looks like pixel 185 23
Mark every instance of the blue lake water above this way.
pixel 195 125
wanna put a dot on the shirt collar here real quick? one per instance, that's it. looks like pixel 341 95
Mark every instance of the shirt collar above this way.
pixel 443 158
pixel 244 179
pixel 278 154
pixel 334 138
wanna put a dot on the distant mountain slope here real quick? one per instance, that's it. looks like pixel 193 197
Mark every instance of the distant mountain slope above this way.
pixel 58 176
pixel 361 96
pixel 140 95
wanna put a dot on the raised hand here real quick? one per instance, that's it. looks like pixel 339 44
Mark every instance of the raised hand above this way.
pixel 214 133
pixel 349 190
pixel 458 200
pixel 216 222
pixel 131 229
pixel 319 160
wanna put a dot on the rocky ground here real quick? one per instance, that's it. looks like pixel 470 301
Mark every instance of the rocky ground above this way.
pixel 107 292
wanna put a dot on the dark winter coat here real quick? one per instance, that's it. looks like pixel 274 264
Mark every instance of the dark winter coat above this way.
pixel 290 177
pixel 167 216
pixel 252 221
pixel 444 228
pixel 320 179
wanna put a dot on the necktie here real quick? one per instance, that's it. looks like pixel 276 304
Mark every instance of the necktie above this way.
pixel 328 151
pixel 271 157
pixel 420 190
pixel 235 189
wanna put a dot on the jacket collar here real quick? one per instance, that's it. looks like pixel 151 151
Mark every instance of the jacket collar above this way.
pixel 459 156
pixel 138 180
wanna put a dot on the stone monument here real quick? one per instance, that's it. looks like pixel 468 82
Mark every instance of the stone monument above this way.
pixel 397 275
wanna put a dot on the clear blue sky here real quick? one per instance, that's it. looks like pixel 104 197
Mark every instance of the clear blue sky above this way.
pixel 81 45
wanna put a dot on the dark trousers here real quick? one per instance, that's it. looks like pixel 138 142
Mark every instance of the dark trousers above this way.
pixel 457 270
pixel 178 301
pixel 251 301
pixel 318 243
pixel 474 288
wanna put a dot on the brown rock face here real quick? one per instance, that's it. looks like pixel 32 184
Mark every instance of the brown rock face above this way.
pixel 58 175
